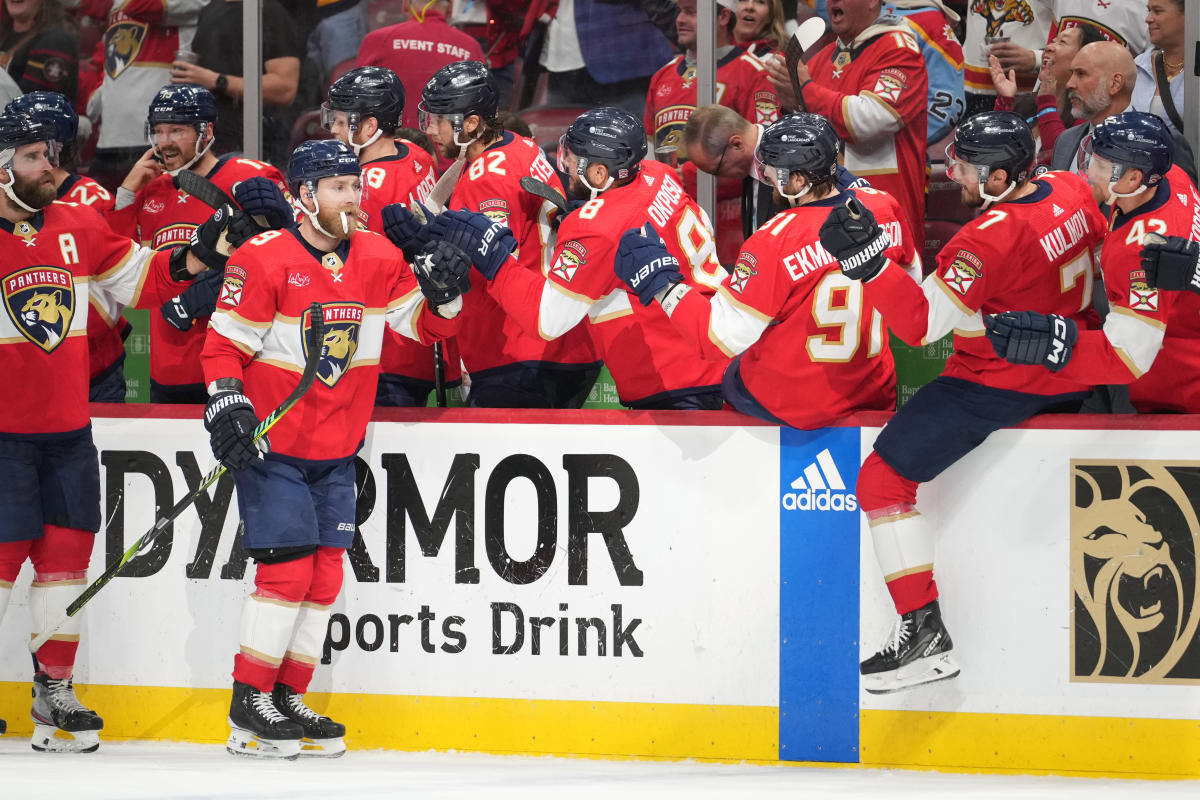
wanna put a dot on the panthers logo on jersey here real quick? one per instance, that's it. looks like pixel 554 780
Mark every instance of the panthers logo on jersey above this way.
pixel 122 43
pixel 41 302
pixel 343 322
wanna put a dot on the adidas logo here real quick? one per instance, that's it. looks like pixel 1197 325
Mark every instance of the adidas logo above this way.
pixel 1058 212
pixel 820 488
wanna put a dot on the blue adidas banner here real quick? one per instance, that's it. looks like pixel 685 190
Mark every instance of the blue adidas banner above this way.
pixel 818 595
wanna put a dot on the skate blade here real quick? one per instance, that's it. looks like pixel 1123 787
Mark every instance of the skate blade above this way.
pixel 926 670
pixel 322 748
pixel 245 743
pixel 49 739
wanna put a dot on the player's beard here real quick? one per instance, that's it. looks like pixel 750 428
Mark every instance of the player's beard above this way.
pixel 36 192
pixel 331 221
pixel 972 198
pixel 576 189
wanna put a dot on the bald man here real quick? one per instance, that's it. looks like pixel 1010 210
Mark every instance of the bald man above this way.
pixel 1100 86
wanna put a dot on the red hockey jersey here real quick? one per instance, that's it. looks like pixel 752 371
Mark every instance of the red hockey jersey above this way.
pixel 741 85
pixel 1151 338
pixel 162 217
pixel 490 339
pixel 1036 253
pixel 874 91
pixel 407 177
pixel 258 332
pixel 647 356
pixel 799 322
pixel 52 264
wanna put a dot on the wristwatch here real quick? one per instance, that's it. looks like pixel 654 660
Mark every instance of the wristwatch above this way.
pixel 221 83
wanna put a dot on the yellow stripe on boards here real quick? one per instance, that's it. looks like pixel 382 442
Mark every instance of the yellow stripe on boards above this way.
pixel 652 730
pixel 1101 746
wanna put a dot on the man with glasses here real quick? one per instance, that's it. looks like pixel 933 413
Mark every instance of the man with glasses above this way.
pixel 150 209
pixel 1032 247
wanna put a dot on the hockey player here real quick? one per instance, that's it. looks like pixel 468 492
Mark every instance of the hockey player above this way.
pixel 652 363
pixel 298 500
pixel 107 329
pixel 509 367
pixel 149 208
pixel 787 313
pixel 364 109
pixel 1032 247
pixel 54 256
pixel 1151 338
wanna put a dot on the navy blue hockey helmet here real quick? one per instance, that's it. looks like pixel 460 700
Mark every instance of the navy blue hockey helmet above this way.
pixel 366 92
pixel 609 136
pixel 801 142
pixel 1138 140
pixel 460 90
pixel 995 140
pixel 18 129
pixel 52 110
pixel 182 103
pixel 320 158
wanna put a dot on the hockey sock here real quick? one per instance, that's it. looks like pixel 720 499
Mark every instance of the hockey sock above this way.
pixel 268 618
pixel 60 560
pixel 902 537
pixel 308 637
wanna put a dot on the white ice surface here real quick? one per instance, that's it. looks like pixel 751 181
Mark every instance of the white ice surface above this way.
pixel 154 770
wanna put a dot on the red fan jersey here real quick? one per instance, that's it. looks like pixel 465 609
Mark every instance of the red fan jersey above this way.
pixel 647 356
pixel 1151 338
pixel 407 177
pixel 258 332
pixel 799 322
pixel 874 92
pixel 490 339
pixel 1036 253
pixel 53 262
pixel 162 217
pixel 741 85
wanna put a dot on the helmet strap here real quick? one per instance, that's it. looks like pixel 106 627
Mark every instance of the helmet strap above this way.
pixel 312 215
pixel 581 170
pixel 358 148
pixel 793 199
pixel 8 189
pixel 201 129
pixel 989 199
pixel 462 146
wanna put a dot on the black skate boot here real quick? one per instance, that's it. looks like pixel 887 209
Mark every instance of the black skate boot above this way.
pixel 258 728
pixel 3 727
pixel 918 652
pixel 322 736
pixel 61 724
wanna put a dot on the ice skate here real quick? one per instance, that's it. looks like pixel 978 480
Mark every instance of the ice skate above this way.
pixel 258 728
pixel 61 724
pixel 322 736
pixel 918 652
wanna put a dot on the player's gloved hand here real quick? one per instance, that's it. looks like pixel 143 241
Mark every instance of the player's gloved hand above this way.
pixel 209 242
pixel 406 228
pixel 196 301
pixel 263 200
pixel 230 421
pixel 487 242
pixel 443 272
pixel 1027 337
pixel 644 263
pixel 1171 262
pixel 851 235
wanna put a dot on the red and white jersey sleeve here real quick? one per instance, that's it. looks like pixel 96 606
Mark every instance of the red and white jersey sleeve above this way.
pixel 798 321
pixel 1036 253
pixel 489 338
pixel 407 177
pixel 875 94
pixel 258 332
pixel 646 355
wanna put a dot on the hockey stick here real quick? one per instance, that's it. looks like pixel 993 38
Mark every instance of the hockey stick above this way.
pixel 546 192
pixel 808 34
pixel 316 335
pixel 202 189
pixel 439 195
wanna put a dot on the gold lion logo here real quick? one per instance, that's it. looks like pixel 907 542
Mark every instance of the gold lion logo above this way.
pixel 40 302
pixel 337 349
pixel 122 43
pixel 47 317
pixel 1135 532
pixel 998 12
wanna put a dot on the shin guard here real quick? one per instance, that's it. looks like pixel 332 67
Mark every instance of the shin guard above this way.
pixel 60 559
pixel 268 619
pixel 308 638
pixel 902 537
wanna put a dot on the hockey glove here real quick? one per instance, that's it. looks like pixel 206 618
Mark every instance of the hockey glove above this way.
pixel 263 200
pixel 487 242
pixel 851 235
pixel 644 263
pixel 1027 337
pixel 230 421
pixel 209 243
pixel 407 229
pixel 443 272
pixel 196 301
pixel 1171 262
